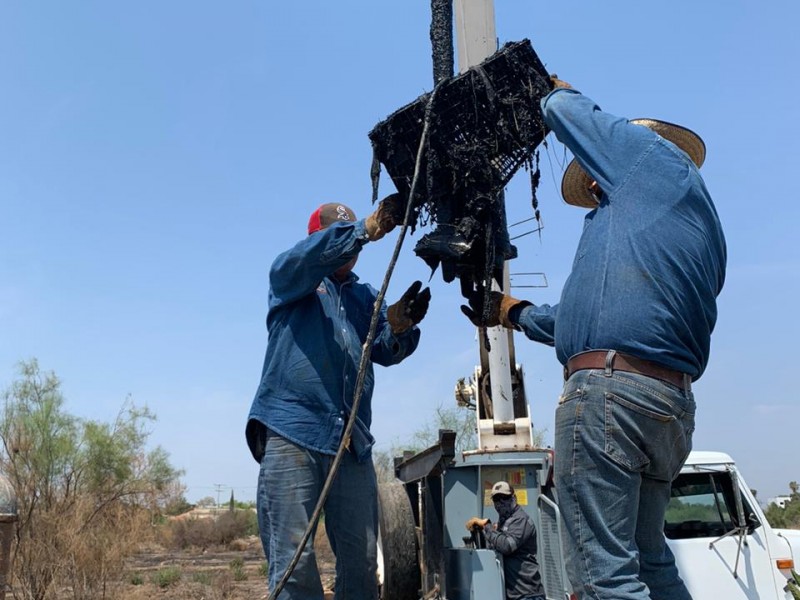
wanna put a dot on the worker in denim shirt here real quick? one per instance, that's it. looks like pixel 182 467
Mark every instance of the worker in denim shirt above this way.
pixel 318 319
pixel 633 330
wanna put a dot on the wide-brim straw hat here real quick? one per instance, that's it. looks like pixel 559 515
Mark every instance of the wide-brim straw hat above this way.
pixel 576 181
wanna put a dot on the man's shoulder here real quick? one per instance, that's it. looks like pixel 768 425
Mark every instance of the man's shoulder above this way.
pixel 520 515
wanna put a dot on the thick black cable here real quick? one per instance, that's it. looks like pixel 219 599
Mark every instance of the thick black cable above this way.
pixel 366 353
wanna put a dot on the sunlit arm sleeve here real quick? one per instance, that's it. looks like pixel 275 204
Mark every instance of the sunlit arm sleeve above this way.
pixel 538 322
pixel 298 271
pixel 606 146
pixel 507 542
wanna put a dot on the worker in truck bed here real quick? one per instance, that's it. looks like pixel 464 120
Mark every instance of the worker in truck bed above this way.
pixel 318 319
pixel 514 536
pixel 632 330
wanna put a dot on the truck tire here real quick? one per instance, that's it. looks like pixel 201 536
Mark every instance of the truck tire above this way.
pixel 397 544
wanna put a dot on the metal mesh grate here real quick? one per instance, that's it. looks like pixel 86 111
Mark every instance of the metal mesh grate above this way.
pixel 550 555
pixel 484 125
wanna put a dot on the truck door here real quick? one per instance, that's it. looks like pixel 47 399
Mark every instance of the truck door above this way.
pixel 717 555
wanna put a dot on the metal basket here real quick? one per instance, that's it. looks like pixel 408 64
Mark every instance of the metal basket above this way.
pixel 486 123
pixel 483 126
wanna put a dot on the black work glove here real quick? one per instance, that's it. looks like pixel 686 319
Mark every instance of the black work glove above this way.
pixel 499 306
pixel 410 309
pixel 386 217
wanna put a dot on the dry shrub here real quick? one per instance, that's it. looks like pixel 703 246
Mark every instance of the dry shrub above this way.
pixel 193 532
pixel 206 532
pixel 83 550
pixel 168 576
pixel 85 490
pixel 236 524
pixel 223 585
pixel 240 544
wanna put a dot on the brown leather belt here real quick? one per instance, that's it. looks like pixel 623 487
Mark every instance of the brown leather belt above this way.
pixel 599 359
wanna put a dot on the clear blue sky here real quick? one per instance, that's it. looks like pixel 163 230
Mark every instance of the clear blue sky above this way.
pixel 156 156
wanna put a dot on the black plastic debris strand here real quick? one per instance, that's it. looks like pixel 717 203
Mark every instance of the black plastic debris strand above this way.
pixel 485 124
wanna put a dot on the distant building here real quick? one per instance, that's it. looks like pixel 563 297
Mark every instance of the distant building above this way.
pixel 779 501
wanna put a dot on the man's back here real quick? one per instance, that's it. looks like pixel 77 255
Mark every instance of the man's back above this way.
pixel 651 260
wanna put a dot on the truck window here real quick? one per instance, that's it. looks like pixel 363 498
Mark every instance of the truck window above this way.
pixel 703 505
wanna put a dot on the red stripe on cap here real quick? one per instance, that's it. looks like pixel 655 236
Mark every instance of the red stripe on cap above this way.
pixel 314 223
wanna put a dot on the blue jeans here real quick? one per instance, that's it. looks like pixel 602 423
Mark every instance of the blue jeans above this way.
pixel 620 440
pixel 289 485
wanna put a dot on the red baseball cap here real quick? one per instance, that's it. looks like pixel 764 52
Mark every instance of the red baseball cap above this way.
pixel 327 214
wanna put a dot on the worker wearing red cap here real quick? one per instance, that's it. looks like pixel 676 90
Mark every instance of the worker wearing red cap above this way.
pixel 318 319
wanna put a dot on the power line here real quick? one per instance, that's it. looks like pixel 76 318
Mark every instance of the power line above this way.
pixel 219 487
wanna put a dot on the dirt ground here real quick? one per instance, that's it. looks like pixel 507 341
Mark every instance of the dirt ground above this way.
pixel 235 573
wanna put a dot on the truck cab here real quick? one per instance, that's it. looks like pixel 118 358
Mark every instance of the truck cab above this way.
pixel 723 545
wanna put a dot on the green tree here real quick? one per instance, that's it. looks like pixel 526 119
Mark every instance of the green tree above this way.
pixel 177 506
pixel 460 420
pixel 793 585
pixel 787 517
pixel 85 489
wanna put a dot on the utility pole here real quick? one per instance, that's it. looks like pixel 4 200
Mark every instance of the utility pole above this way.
pixel 218 487
pixel 476 35
pixel 476 39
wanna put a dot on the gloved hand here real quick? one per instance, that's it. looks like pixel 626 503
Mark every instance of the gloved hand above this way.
pixel 410 309
pixel 476 522
pixel 558 83
pixel 499 306
pixel 388 214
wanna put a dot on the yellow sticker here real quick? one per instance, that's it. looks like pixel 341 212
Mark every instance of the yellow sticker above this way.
pixel 515 478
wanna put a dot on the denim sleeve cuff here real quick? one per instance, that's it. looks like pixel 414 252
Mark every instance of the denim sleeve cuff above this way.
pixel 403 343
pixel 516 312
pixel 360 230
pixel 554 92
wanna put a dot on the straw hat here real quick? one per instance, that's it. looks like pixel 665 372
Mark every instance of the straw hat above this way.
pixel 576 182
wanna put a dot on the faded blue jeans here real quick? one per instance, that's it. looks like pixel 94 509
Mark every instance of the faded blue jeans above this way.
pixel 289 485
pixel 620 440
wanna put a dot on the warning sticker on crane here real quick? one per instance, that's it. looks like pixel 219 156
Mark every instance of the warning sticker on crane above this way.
pixel 515 477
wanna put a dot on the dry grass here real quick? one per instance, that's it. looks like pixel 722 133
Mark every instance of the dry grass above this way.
pixel 236 571
pixel 141 562
pixel 82 552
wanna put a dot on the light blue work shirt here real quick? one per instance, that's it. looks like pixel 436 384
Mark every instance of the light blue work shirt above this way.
pixel 651 260
pixel 317 326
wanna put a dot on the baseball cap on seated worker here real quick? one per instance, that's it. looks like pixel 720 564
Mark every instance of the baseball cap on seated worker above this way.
pixel 328 214
pixel 501 488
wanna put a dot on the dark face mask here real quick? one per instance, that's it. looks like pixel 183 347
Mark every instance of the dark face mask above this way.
pixel 504 506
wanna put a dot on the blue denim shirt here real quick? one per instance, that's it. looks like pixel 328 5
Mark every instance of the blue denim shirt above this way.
pixel 651 260
pixel 316 329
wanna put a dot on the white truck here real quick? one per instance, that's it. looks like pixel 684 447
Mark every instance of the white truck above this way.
pixel 723 544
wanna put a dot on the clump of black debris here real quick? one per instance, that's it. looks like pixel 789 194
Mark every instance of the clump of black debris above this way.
pixel 483 125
